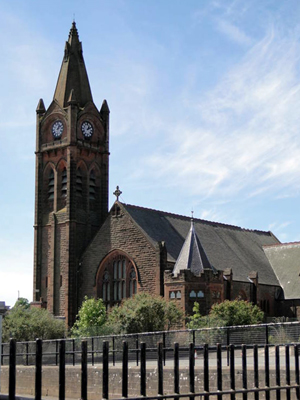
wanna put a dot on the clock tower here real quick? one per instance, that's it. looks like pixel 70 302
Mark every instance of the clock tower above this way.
pixel 71 197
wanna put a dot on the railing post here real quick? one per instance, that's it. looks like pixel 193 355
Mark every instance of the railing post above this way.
pixel 12 370
pixel 73 349
pixel 62 369
pixel 56 352
pixel 232 371
pixel 27 351
pixel 164 347
pixel 176 368
pixel 93 355
pixel 267 334
pixel 38 369
pixel 105 375
pixel 287 371
pixel 277 363
pixel 297 375
pixel 137 350
pixel 206 368
pixel 113 351
pixel 228 342
pixel 255 366
pixel 192 368
pixel 125 370
pixel 219 369
pixel 84 375
pixel 160 368
pixel 143 369
pixel 267 371
pixel 2 358
pixel 244 369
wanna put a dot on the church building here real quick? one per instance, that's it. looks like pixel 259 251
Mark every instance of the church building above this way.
pixel 83 249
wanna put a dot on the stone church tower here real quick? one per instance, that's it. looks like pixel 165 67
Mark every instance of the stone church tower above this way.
pixel 71 197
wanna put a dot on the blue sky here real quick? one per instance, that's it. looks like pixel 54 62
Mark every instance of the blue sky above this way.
pixel 205 110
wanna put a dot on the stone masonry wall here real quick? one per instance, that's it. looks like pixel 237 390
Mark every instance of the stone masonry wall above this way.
pixel 121 233
pixel 25 381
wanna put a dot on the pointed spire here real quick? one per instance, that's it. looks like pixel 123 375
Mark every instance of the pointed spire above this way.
pixel 40 107
pixel 192 255
pixel 73 75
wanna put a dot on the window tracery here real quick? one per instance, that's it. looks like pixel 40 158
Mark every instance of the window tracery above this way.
pixel 118 279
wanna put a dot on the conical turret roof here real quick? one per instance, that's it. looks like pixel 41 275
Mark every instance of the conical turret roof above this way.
pixel 192 255
pixel 73 75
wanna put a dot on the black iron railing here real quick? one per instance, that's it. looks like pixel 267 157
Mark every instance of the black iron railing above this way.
pixel 290 387
pixel 275 333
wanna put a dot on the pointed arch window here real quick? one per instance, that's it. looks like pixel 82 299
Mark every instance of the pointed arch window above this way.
pixel 92 186
pixel 64 182
pixel 51 185
pixel 116 279
pixel 79 182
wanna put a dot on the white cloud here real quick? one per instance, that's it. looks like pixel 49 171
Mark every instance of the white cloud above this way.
pixel 233 32
pixel 249 137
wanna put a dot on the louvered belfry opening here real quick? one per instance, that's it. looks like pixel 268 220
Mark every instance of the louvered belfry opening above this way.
pixel 51 185
pixel 92 186
pixel 64 182
pixel 79 183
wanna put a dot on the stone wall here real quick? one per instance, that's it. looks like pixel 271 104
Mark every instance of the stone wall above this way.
pixel 25 381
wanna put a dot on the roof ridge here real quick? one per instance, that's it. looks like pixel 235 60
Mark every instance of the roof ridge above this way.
pixel 281 244
pixel 221 224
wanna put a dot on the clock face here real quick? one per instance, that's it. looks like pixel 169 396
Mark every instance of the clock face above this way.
pixel 87 129
pixel 57 129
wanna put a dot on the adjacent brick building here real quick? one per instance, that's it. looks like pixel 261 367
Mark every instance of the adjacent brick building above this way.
pixel 81 248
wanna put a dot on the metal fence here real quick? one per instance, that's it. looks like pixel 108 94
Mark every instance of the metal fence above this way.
pixel 277 375
pixel 275 333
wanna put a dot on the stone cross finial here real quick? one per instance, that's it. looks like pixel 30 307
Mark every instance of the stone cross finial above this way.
pixel 117 193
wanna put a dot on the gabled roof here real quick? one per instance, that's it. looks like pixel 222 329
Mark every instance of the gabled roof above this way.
pixel 285 260
pixel 192 255
pixel 226 246
pixel 73 75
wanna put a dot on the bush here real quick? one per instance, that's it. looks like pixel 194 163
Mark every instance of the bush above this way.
pixel 91 319
pixel 144 313
pixel 228 313
pixel 23 323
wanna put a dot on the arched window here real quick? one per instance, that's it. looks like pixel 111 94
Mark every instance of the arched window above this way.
pixel 92 186
pixel 51 185
pixel 64 182
pixel 116 278
pixel 79 182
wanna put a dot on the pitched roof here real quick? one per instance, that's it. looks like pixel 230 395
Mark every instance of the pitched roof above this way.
pixel 192 255
pixel 226 246
pixel 73 75
pixel 285 260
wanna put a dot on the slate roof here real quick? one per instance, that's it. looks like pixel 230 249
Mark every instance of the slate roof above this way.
pixel 285 260
pixel 226 246
pixel 192 255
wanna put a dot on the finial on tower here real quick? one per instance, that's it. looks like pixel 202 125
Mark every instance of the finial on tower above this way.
pixel 117 193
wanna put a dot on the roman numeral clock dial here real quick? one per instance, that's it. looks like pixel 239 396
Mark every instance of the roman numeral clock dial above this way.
pixel 57 129
pixel 87 129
